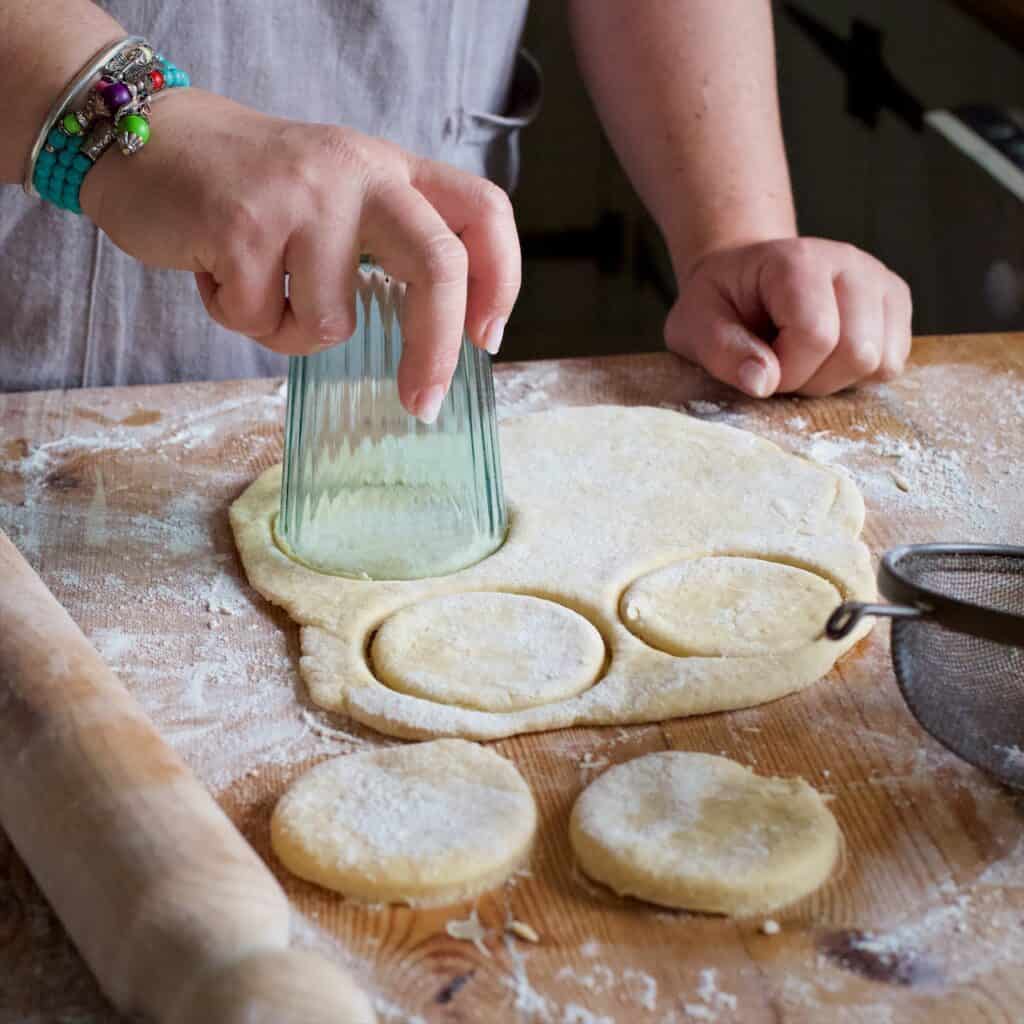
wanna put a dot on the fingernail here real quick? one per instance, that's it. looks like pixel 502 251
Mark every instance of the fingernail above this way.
pixel 427 404
pixel 753 378
pixel 495 332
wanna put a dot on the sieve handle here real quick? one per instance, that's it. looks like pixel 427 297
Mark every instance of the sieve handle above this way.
pixel 845 618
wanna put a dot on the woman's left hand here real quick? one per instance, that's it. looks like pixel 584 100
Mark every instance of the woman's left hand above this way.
pixel 802 315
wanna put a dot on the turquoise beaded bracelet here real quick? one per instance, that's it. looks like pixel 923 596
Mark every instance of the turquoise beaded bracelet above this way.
pixel 116 107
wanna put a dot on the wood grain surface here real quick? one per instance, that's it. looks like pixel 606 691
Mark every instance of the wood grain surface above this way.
pixel 119 499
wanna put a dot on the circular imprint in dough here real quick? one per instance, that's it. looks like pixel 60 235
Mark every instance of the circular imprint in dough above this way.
pixel 425 824
pixel 703 833
pixel 488 651
pixel 722 606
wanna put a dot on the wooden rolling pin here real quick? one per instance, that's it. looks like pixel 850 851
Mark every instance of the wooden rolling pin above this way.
pixel 176 915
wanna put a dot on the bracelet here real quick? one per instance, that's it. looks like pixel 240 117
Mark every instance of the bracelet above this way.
pixel 116 107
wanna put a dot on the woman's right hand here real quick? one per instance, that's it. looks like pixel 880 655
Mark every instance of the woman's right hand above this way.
pixel 241 198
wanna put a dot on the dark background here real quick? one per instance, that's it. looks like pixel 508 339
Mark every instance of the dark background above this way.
pixel 596 278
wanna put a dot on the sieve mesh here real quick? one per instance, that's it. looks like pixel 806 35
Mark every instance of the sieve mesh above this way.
pixel 966 690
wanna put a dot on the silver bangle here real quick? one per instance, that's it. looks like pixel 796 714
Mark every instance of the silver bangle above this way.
pixel 78 85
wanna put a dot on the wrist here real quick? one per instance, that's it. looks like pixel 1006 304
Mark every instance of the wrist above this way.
pixel 689 247
pixel 117 176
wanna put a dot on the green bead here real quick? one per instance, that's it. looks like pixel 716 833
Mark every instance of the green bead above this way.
pixel 134 124
pixel 71 125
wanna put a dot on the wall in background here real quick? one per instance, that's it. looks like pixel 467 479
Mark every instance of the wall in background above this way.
pixel 904 195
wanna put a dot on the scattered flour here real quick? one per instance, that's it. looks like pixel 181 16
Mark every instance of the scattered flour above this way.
pixel 712 1000
pixel 1013 757
pixel 228 699
pixel 704 409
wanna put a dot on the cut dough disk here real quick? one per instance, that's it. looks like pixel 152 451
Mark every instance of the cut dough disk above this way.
pixel 491 651
pixel 425 824
pixel 727 606
pixel 704 833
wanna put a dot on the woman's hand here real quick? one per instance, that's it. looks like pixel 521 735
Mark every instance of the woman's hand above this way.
pixel 798 315
pixel 241 199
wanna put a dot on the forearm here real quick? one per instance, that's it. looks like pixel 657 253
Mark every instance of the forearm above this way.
pixel 686 92
pixel 43 45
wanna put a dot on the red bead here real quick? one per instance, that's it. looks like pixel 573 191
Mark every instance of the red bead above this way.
pixel 157 79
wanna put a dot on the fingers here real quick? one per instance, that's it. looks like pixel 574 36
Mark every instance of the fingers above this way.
pixel 481 215
pixel 899 311
pixel 862 337
pixel 321 259
pixel 411 241
pixel 797 291
pixel 245 290
pixel 839 316
pixel 246 293
pixel 707 331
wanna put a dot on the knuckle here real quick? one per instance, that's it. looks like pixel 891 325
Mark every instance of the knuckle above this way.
pixel 334 146
pixel 847 253
pixel 444 259
pixel 798 258
pixel 283 344
pixel 904 293
pixel 335 325
pixel 494 201
pixel 863 358
pixel 242 224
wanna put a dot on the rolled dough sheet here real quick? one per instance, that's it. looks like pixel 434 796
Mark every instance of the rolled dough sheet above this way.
pixel 599 498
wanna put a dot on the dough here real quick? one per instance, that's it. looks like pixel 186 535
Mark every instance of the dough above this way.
pixel 599 497
pixel 729 606
pixel 425 824
pixel 495 652
pixel 703 833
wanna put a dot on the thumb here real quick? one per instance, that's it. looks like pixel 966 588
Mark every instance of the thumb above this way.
pixel 717 340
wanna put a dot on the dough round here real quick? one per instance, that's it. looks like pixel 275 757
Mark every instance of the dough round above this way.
pixel 425 824
pixel 490 651
pixel 725 606
pixel 703 833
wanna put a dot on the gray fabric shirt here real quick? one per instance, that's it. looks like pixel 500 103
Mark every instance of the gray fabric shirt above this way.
pixel 443 78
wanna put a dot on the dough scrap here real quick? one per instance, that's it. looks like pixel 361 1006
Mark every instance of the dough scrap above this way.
pixel 598 497
pixel 426 824
pixel 704 833
pixel 725 606
pixel 491 651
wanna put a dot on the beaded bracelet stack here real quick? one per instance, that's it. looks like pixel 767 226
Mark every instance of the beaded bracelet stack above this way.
pixel 94 113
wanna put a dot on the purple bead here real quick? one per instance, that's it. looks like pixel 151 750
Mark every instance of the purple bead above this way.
pixel 115 95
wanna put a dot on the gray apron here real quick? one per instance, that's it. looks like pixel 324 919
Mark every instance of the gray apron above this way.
pixel 442 78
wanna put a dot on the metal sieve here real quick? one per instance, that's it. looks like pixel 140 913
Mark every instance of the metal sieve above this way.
pixel 957 646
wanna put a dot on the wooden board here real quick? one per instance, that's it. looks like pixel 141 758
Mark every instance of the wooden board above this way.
pixel 119 498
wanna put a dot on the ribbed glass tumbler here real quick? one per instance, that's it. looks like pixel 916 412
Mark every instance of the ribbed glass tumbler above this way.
pixel 368 490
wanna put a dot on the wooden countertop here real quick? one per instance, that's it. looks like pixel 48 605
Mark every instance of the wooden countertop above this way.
pixel 119 498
